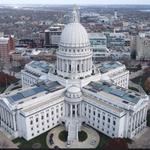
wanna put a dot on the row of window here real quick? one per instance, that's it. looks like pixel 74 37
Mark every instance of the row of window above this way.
pixel 74 50
pixel 103 129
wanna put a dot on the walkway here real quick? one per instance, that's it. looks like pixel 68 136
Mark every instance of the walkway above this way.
pixel 142 141
pixel 92 140
pixel 5 142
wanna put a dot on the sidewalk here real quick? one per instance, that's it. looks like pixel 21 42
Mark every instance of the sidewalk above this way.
pixel 5 142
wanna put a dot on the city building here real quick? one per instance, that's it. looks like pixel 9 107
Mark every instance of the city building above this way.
pixel 52 35
pixel 7 45
pixel 73 93
pixel 143 46
pixel 115 40
pixel 98 43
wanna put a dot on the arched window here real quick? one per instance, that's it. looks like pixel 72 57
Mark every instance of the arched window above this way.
pixel 69 68
pixel 78 68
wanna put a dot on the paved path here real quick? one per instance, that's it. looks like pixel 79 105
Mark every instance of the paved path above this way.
pixel 93 136
pixel 5 142
pixel 142 141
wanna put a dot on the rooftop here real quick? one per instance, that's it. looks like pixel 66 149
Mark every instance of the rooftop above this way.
pixel 96 35
pixel 32 92
pixel 40 65
pixel 127 96
pixel 107 66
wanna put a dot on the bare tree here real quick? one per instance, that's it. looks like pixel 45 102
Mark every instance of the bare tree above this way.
pixel 2 63
pixel 147 85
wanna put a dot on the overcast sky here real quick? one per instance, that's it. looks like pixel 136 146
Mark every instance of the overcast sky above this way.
pixel 74 1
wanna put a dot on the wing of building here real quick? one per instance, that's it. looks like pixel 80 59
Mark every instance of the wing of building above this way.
pixel 73 92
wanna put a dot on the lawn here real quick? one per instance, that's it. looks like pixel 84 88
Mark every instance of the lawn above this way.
pixel 133 88
pixel 103 140
pixel 2 89
pixel 28 144
pixel 63 135
pixel 82 135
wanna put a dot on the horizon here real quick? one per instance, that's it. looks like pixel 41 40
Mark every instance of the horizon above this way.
pixel 77 2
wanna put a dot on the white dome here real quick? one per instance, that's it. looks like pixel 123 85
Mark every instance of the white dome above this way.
pixel 73 89
pixel 74 35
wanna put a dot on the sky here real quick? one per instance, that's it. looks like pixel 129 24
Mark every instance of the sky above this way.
pixel 75 2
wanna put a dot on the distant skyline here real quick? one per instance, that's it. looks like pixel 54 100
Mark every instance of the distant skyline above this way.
pixel 102 2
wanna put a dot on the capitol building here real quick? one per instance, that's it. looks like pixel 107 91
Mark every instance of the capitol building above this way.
pixel 73 92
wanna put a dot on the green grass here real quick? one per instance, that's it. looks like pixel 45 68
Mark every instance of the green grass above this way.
pixel 28 144
pixel 82 135
pixel 133 88
pixel 2 89
pixel 103 140
pixel 63 135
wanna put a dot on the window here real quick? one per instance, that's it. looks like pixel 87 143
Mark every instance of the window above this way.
pixel 61 108
pixel 31 122
pixel 57 110
pixel 52 112
pixel 108 126
pixel 69 68
pixel 112 134
pixel 93 112
pixel 103 123
pixel 94 118
pixel 113 129
pixel 98 115
pixel 42 117
pixel 43 129
pixel 36 119
pixel 32 134
pixel 108 119
pixel 78 68
pixel 47 126
pixel 31 128
pixel 89 110
pixel 103 117
pixel 47 115
pixel 42 123
pixel 114 122
pixel 38 131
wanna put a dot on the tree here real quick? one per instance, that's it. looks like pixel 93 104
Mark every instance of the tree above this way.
pixel 147 85
pixel 116 144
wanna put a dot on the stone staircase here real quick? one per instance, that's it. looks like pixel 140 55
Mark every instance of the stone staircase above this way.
pixel 72 132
